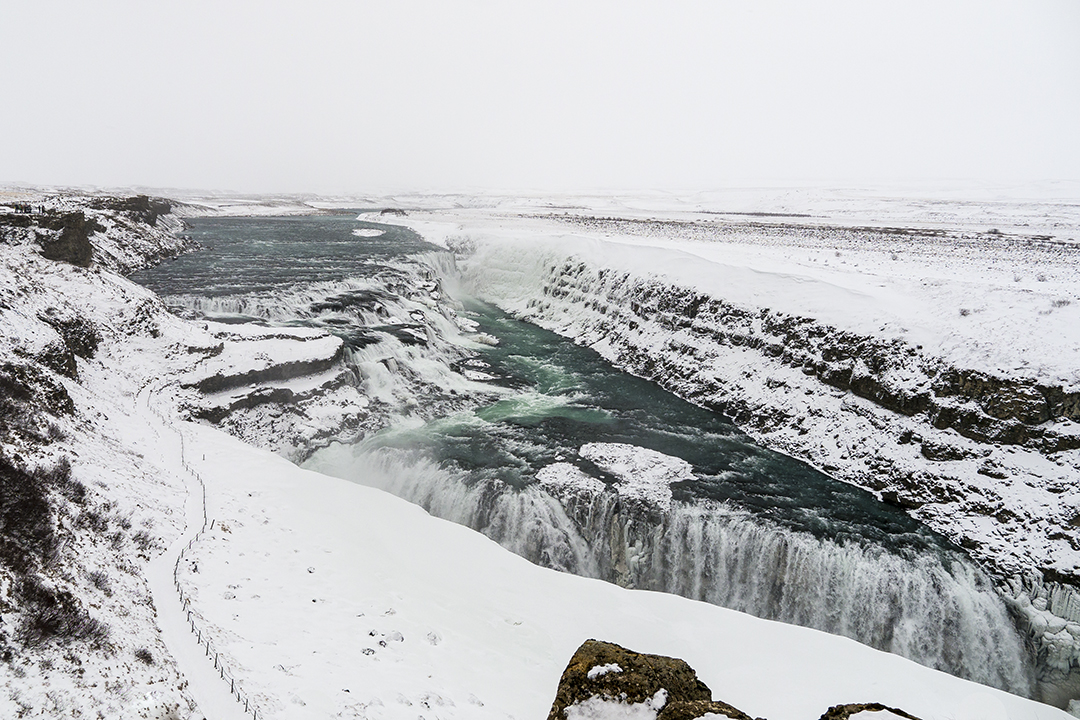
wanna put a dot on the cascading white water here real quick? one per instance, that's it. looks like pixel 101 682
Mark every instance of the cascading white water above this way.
pixel 402 336
pixel 940 612
pixel 529 523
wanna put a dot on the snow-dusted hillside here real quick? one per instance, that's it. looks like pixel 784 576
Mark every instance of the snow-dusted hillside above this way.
pixel 87 500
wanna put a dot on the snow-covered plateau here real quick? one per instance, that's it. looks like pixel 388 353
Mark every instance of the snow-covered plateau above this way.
pixel 154 566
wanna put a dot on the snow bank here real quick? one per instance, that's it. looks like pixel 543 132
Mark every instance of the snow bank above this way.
pixel 405 614
pixel 600 708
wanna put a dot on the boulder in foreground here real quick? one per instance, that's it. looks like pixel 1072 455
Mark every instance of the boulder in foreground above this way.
pixel 607 682
pixel 603 676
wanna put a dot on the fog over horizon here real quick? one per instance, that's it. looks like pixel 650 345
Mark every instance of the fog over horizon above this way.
pixel 344 97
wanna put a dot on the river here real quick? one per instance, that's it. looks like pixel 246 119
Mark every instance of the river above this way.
pixel 579 466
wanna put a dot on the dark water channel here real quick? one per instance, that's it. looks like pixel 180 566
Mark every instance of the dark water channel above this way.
pixel 253 254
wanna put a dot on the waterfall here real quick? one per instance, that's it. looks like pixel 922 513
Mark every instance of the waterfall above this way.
pixel 937 609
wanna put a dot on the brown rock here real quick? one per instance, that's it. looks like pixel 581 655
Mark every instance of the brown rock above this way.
pixel 843 712
pixel 640 677
pixel 682 710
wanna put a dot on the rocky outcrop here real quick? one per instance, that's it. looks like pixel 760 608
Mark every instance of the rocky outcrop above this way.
pixel 604 676
pixel 843 712
pixel 138 207
pixel 121 234
pixel 63 236
pixel 71 244
pixel 605 672
pixel 274 373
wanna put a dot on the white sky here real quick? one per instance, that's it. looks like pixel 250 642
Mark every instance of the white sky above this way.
pixel 328 96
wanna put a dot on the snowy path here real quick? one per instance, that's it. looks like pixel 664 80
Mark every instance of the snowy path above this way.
pixel 205 685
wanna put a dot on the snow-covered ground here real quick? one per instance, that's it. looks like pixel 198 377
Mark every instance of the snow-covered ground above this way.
pixel 335 600
pixel 328 599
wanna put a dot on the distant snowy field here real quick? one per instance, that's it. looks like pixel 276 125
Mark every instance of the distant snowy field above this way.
pixel 1012 307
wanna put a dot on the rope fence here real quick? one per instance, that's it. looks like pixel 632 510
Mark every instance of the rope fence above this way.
pixel 200 633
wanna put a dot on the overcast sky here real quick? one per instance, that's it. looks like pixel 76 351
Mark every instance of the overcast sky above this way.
pixel 326 96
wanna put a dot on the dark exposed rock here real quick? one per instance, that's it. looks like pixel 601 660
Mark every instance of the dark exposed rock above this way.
pixel 843 712
pixel 274 373
pixel 139 207
pixel 79 334
pixel 265 396
pixel 941 451
pixel 62 236
pixel 75 336
pixel 368 299
pixel 993 469
pixel 894 498
pixel 637 680
pixel 1054 576
pixel 72 244
pixel 689 710
pixel 56 356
